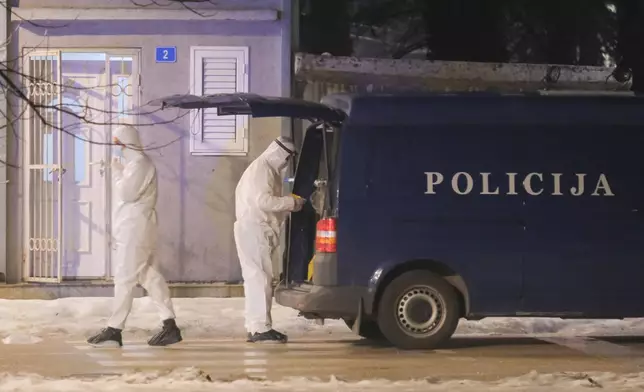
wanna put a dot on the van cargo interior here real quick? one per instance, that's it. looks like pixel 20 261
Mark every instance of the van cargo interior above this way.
pixel 301 226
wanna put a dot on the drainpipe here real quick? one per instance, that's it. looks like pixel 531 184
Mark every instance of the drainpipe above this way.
pixel 3 150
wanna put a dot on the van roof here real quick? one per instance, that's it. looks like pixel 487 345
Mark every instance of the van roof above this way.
pixel 564 107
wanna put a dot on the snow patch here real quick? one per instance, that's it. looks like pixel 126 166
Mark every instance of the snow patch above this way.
pixel 18 338
pixel 193 379
pixel 78 318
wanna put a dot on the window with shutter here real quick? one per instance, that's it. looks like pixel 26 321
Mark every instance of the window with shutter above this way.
pixel 217 70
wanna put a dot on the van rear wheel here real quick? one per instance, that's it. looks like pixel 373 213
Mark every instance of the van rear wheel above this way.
pixel 418 310
pixel 368 329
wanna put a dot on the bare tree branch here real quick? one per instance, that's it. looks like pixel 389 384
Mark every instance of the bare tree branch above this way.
pixel 20 86
pixel 184 3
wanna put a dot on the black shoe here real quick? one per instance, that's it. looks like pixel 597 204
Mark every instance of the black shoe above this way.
pixel 169 334
pixel 271 336
pixel 108 337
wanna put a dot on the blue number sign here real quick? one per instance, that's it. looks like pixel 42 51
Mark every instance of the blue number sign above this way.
pixel 166 54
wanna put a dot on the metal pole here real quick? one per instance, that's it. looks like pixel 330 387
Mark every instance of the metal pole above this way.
pixel 3 151
pixel 61 170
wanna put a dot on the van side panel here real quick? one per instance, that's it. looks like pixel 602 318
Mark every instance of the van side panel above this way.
pixel 353 234
pixel 585 244
pixel 500 205
pixel 479 237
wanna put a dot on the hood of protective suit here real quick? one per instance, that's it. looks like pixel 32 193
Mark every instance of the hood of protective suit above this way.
pixel 258 196
pixel 129 136
pixel 278 152
pixel 135 187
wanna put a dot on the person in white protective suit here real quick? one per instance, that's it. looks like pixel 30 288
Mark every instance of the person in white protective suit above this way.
pixel 260 210
pixel 134 232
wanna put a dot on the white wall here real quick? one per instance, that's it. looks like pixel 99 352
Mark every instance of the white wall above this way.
pixel 196 195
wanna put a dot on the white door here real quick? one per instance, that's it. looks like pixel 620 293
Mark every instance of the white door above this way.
pixel 90 103
pixel 84 181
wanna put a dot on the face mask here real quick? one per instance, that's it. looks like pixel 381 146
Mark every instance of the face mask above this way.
pixel 117 151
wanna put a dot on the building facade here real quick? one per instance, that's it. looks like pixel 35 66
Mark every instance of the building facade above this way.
pixel 86 66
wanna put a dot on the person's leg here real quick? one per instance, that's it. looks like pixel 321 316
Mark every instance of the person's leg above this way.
pixel 267 265
pixel 154 283
pixel 254 251
pixel 268 293
pixel 251 245
pixel 125 280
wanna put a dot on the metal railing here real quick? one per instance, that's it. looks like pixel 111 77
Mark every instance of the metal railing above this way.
pixel 43 170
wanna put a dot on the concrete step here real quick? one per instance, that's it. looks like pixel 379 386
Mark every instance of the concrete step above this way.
pixel 106 289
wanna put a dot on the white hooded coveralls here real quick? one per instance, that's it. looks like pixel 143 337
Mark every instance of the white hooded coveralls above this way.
pixel 260 210
pixel 135 231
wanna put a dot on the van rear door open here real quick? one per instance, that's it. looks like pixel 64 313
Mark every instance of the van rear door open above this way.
pixel 253 105
pixel 301 225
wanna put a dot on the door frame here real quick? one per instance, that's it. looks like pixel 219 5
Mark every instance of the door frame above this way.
pixel 28 52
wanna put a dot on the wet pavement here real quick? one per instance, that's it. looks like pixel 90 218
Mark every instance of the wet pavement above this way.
pixel 347 358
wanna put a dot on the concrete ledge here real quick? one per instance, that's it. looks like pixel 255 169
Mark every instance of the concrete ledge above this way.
pixel 451 75
pixel 106 289
pixel 213 290
pixel 141 13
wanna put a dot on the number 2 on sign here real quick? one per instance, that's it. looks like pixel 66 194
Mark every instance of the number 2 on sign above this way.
pixel 165 54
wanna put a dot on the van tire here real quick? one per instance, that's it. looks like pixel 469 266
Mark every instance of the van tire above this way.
pixel 396 305
pixel 368 329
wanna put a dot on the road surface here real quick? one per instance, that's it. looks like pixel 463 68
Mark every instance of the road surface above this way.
pixel 346 357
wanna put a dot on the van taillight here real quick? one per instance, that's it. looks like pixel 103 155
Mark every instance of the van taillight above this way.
pixel 325 236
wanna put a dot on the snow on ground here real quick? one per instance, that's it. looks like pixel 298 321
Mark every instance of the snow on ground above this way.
pixel 197 381
pixel 76 318
pixel 20 338
pixel 27 321
pixel 30 321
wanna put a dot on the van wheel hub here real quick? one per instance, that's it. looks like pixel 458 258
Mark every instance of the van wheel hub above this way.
pixel 420 311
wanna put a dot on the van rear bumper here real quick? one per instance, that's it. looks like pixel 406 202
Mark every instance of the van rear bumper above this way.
pixel 331 302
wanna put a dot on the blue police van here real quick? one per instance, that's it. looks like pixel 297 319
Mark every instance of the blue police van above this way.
pixel 426 209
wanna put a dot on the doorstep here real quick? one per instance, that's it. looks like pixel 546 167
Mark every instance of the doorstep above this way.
pixel 106 289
